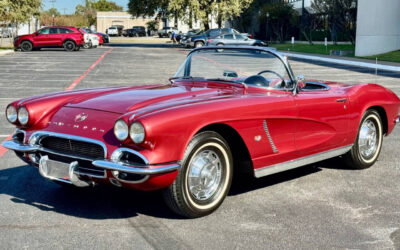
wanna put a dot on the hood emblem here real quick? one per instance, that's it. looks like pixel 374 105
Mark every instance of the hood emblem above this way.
pixel 81 117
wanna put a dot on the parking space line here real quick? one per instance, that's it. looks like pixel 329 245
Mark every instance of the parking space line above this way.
pixel 70 87
pixel 79 79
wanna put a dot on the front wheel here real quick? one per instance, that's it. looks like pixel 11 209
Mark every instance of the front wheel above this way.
pixel 26 46
pixel 198 44
pixel 367 147
pixel 204 178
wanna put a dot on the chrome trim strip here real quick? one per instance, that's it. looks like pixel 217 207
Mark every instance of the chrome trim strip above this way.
pixel 280 167
pixel 398 120
pixel 70 137
pixel 159 169
pixel 145 178
pixel 274 149
pixel 24 148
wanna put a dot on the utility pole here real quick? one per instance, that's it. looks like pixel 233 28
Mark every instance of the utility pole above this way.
pixel 52 3
pixel 64 9
pixel 302 19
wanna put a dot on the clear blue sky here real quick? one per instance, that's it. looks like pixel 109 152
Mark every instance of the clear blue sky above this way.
pixel 69 5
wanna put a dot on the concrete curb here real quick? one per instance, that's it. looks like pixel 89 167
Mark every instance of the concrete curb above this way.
pixel 5 52
pixel 344 62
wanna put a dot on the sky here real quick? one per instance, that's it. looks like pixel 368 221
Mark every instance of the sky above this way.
pixel 69 5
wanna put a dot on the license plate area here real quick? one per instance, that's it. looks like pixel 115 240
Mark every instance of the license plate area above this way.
pixel 54 169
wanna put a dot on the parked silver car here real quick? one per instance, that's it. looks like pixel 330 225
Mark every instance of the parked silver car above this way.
pixel 234 39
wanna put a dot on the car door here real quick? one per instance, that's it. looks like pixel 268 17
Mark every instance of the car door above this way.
pixel 323 118
pixel 42 38
pixel 241 40
pixel 55 37
pixel 229 39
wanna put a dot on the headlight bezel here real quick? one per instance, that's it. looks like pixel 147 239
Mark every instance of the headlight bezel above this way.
pixel 124 125
pixel 13 121
pixel 137 138
pixel 23 119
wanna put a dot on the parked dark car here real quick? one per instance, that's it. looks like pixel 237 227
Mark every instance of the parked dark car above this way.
pixel 139 30
pixel 69 38
pixel 201 39
pixel 106 38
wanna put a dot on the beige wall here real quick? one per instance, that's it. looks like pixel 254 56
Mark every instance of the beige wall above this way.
pixel 107 19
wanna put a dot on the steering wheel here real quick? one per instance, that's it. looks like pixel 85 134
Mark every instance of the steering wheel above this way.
pixel 270 71
pixel 275 73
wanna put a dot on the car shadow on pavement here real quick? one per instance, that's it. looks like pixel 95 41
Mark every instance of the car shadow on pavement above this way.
pixel 142 45
pixel 247 182
pixel 25 185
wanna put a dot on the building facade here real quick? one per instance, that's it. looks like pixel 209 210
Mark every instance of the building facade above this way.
pixel 378 27
pixel 107 19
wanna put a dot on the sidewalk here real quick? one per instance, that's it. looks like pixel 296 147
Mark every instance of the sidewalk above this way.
pixel 350 61
pixel 6 51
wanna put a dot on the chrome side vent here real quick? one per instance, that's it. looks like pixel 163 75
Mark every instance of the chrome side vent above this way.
pixel 274 149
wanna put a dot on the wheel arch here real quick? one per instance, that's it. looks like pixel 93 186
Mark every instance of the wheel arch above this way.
pixel 240 153
pixel 27 40
pixel 382 113
pixel 69 39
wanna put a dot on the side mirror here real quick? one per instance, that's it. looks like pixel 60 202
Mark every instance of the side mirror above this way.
pixel 301 83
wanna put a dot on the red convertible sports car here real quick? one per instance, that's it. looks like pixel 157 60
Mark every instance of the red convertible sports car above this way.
pixel 228 109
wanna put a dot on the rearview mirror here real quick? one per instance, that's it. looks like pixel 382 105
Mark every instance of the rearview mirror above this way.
pixel 301 83
pixel 228 73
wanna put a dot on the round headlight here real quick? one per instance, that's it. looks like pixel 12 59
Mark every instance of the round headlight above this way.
pixel 11 113
pixel 23 116
pixel 137 132
pixel 121 130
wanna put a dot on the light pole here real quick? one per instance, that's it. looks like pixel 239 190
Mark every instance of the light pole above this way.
pixel 53 19
pixel 266 35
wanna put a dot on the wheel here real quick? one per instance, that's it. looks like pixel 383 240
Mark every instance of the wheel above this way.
pixel 136 35
pixel 220 44
pixel 198 44
pixel 160 36
pixel 367 147
pixel 69 46
pixel 87 45
pixel 204 178
pixel 26 46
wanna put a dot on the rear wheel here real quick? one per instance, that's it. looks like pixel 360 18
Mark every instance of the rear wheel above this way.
pixel 367 147
pixel 204 178
pixel 198 44
pixel 69 45
pixel 26 46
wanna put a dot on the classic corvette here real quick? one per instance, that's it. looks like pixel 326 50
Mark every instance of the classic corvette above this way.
pixel 227 110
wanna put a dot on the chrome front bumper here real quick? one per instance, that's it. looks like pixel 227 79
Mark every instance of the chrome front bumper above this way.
pixel 105 164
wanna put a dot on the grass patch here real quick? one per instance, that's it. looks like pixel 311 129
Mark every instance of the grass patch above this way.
pixel 393 56
pixel 313 49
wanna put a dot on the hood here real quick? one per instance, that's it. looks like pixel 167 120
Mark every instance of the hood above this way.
pixel 127 100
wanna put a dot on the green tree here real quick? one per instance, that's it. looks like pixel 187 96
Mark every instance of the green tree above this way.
pixel 282 17
pixel 51 12
pixel 90 8
pixel 104 5
pixel 190 9
pixel 18 11
pixel 342 16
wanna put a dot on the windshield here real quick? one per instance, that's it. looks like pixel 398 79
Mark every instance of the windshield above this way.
pixel 253 67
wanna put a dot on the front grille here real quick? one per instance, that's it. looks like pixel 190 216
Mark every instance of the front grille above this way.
pixel 73 147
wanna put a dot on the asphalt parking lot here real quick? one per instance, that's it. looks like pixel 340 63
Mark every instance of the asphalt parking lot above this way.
pixel 317 206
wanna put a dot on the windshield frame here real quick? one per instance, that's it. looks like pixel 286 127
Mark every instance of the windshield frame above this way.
pixel 273 52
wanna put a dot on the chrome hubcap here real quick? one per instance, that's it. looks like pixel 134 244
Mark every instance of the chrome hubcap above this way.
pixel 368 139
pixel 204 174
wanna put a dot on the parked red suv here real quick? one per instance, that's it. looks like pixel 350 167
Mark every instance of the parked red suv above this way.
pixel 69 38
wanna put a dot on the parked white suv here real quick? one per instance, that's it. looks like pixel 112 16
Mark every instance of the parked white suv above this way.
pixel 167 32
pixel 112 31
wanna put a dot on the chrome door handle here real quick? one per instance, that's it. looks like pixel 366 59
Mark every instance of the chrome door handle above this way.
pixel 341 100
